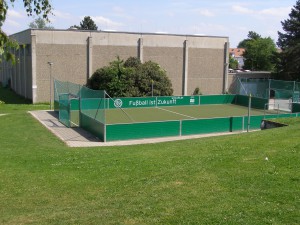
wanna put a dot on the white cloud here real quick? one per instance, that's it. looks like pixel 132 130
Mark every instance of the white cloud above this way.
pixel 273 12
pixel 208 29
pixel 121 13
pixel 282 11
pixel 171 14
pixel 62 15
pixel 241 9
pixel 12 23
pixel 14 14
pixel 204 12
pixel 106 22
pixel 118 9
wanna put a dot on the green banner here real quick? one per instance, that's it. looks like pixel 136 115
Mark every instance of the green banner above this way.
pixel 153 101
pixel 177 100
pixel 132 102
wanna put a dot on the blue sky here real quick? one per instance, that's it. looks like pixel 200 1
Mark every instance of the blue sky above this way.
pixel 204 17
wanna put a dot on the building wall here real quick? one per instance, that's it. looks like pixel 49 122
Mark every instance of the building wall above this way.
pixel 18 75
pixel 102 55
pixel 190 61
pixel 206 68
pixel 170 59
pixel 69 64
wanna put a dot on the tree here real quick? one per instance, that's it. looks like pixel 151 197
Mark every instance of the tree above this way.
pixel 259 52
pixel 233 63
pixel 40 23
pixel 38 7
pixel 86 24
pixel 289 42
pixel 252 35
pixel 151 74
pixel 131 79
pixel 132 62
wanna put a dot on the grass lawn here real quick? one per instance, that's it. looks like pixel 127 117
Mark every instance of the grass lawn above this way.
pixel 252 178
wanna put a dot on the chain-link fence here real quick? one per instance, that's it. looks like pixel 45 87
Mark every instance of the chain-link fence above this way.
pixel 266 88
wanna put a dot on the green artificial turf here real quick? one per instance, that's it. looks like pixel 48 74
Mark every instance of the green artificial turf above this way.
pixel 129 115
pixel 251 178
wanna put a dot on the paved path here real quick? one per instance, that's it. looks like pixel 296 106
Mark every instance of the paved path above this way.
pixel 77 137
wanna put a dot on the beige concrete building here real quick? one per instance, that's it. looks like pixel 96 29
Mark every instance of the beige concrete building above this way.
pixel 191 61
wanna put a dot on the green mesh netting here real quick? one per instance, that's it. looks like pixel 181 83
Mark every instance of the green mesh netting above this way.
pixel 92 103
pixel 64 109
pixel 265 88
pixel 64 87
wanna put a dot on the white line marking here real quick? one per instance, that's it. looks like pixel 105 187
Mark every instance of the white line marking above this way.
pixel 177 113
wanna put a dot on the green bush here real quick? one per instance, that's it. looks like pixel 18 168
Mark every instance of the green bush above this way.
pixel 131 79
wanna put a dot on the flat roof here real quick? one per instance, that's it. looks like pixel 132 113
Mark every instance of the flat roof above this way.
pixel 123 32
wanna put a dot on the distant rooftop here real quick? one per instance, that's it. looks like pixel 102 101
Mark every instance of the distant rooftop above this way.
pixel 237 52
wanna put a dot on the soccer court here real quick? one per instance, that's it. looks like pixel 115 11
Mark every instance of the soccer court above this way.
pixel 169 113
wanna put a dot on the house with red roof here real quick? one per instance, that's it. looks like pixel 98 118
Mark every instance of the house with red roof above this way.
pixel 237 54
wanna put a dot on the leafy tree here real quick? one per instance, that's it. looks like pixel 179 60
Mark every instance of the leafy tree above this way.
pixel 132 62
pixel 112 78
pixel 38 7
pixel 252 35
pixel 259 52
pixel 86 24
pixel 40 23
pixel 151 74
pixel 131 79
pixel 289 42
pixel 233 63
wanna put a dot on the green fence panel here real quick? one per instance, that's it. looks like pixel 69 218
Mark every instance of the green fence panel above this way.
pixel 93 126
pixel 237 123
pixel 242 100
pixel 94 108
pixel 177 101
pixel 205 126
pixel 74 104
pixel 255 122
pixel 64 109
pixel 216 99
pixel 295 107
pixel 92 103
pixel 142 130
pixel 132 102
pixel 74 112
pixel 258 103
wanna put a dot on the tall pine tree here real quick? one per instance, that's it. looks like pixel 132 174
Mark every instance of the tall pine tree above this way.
pixel 86 24
pixel 289 42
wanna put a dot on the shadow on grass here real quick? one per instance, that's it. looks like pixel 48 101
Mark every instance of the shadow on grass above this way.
pixel 8 96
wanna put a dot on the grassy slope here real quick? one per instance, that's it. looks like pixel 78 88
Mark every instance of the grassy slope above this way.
pixel 223 180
